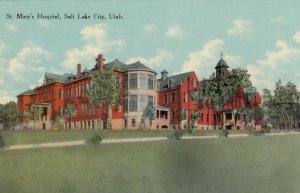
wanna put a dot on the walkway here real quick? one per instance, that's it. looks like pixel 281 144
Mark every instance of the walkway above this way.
pixel 127 140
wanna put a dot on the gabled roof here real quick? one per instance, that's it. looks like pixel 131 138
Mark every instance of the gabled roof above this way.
pixel 50 77
pixel 28 92
pixel 138 66
pixel 175 81
pixel 115 65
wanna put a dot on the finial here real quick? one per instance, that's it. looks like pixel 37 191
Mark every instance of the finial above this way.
pixel 221 55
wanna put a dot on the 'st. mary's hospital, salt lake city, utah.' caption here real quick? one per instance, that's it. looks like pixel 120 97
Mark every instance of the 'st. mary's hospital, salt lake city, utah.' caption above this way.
pixel 65 16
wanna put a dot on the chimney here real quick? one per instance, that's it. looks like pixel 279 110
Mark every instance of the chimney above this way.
pixel 100 61
pixel 78 71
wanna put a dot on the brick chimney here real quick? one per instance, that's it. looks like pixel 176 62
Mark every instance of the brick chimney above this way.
pixel 100 61
pixel 78 71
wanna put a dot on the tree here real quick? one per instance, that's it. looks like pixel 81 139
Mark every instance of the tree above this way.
pixel 149 113
pixel 9 114
pixel 70 112
pixel 35 113
pixel 104 91
pixel 282 105
pixel 221 90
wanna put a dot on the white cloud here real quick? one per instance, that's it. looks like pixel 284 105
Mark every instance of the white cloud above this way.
pixel 95 42
pixel 240 26
pixel 2 59
pixel 1 80
pixel 174 32
pixel 296 37
pixel 10 27
pixel 27 61
pixel 161 58
pixel 283 54
pixel 150 28
pixel 281 63
pixel 204 60
pixel 278 20
pixel 6 99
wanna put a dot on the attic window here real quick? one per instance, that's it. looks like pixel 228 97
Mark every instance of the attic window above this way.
pixel 169 83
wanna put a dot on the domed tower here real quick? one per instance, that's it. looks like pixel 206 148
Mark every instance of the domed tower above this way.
pixel 221 68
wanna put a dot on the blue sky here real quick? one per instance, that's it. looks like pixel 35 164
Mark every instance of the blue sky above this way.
pixel 261 36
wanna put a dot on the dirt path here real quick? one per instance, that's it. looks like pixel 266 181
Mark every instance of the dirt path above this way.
pixel 127 140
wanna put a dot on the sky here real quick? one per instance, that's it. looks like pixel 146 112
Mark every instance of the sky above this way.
pixel 179 36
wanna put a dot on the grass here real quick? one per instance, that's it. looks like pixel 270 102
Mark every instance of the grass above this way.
pixel 41 136
pixel 222 165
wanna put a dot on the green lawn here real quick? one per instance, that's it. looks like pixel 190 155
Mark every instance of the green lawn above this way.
pixel 221 165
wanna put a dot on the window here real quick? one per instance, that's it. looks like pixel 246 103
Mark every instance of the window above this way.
pixel 133 80
pixel 125 123
pixel 143 80
pixel 83 90
pixel 150 81
pixel 126 82
pixel 195 83
pixel 76 91
pixel 132 122
pixel 61 94
pixel 142 102
pixel 150 101
pixel 71 92
pixel 173 97
pixel 166 99
pixel 79 90
pixel 228 116
pixel 169 84
pixel 126 104
pixel 185 97
pixel 132 103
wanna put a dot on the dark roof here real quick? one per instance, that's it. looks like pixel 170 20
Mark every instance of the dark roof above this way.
pixel 164 71
pixel 115 65
pixel 175 81
pixel 221 63
pixel 250 95
pixel 28 92
pixel 49 77
pixel 138 66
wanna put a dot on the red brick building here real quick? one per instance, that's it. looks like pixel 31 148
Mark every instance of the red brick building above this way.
pixel 171 96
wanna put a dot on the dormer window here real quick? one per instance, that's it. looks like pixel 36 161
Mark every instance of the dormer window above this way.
pixel 169 84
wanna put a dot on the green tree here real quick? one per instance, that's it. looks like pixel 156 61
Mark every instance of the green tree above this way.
pixel 149 113
pixel 282 105
pixel 104 91
pixel 35 113
pixel 221 90
pixel 9 114
pixel 70 110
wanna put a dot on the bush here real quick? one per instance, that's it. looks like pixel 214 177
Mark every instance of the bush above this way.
pixel 2 144
pixel 178 134
pixel 259 133
pixel 95 139
pixel 225 133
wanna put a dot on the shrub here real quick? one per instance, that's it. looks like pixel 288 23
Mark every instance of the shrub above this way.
pixel 225 133
pixel 259 133
pixel 95 139
pixel 178 134
pixel 2 144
